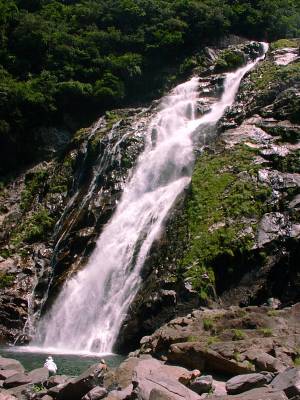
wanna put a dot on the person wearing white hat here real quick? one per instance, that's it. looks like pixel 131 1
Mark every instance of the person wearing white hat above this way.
pixel 50 365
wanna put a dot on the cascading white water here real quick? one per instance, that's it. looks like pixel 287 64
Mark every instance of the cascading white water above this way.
pixel 88 313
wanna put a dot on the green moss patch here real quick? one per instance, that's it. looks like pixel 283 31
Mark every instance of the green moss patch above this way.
pixel 224 202
pixel 288 163
pixel 268 75
pixel 238 334
pixel 34 228
pixel 111 118
pixel 264 75
pixel 229 60
pixel 6 280
pixel 282 43
pixel 60 180
pixel 34 184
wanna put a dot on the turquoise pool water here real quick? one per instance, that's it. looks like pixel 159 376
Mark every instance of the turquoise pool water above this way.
pixel 67 364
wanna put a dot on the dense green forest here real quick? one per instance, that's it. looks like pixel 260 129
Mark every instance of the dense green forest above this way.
pixel 64 62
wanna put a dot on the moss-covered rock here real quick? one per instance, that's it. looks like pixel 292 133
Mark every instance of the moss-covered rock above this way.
pixel 229 60
pixel 285 43
pixel 34 228
pixel 223 207
pixel 6 280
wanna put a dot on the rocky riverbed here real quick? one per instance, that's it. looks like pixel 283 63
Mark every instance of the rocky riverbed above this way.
pixel 239 353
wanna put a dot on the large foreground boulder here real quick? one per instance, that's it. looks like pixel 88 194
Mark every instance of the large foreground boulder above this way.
pixel 76 388
pixel 242 383
pixel 10 364
pixel 39 375
pixel 151 381
pixel 289 382
pixel 55 380
pixel 7 373
pixel 6 396
pixel 196 355
pixel 16 380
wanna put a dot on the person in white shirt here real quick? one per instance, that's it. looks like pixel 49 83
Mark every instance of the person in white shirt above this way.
pixel 50 365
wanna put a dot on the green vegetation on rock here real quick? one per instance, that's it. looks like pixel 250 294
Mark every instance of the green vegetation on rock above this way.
pixel 277 83
pixel 297 359
pixel 6 280
pixel 238 334
pixel 282 43
pixel 34 184
pixel 224 203
pixel 208 324
pixel 289 163
pixel 34 228
pixel 229 60
pixel 266 332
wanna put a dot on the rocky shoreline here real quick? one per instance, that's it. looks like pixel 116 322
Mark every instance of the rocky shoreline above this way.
pixel 239 353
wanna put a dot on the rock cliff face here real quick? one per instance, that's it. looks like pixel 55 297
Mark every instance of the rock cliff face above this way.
pixel 53 213
pixel 232 238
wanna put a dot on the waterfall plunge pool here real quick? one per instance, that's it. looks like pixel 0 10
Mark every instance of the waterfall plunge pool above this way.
pixel 67 364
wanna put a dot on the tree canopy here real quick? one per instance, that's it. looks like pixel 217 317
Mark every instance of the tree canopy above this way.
pixel 70 60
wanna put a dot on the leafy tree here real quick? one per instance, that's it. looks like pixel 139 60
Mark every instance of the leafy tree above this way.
pixel 62 62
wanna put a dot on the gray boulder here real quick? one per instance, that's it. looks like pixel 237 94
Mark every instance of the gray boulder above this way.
pixel 10 363
pixel 160 394
pixel 39 375
pixel 264 361
pixel 121 394
pixel 55 391
pixel 288 381
pixel 149 379
pixel 96 393
pixel 56 380
pixel 7 373
pixel 198 355
pixel 16 380
pixel 202 384
pixel 254 394
pixel 242 383
pixel 21 392
pixel 78 387
pixel 6 396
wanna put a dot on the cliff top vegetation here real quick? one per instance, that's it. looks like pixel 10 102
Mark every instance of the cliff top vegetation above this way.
pixel 64 62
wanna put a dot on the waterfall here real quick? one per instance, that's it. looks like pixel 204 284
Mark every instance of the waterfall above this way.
pixel 88 313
